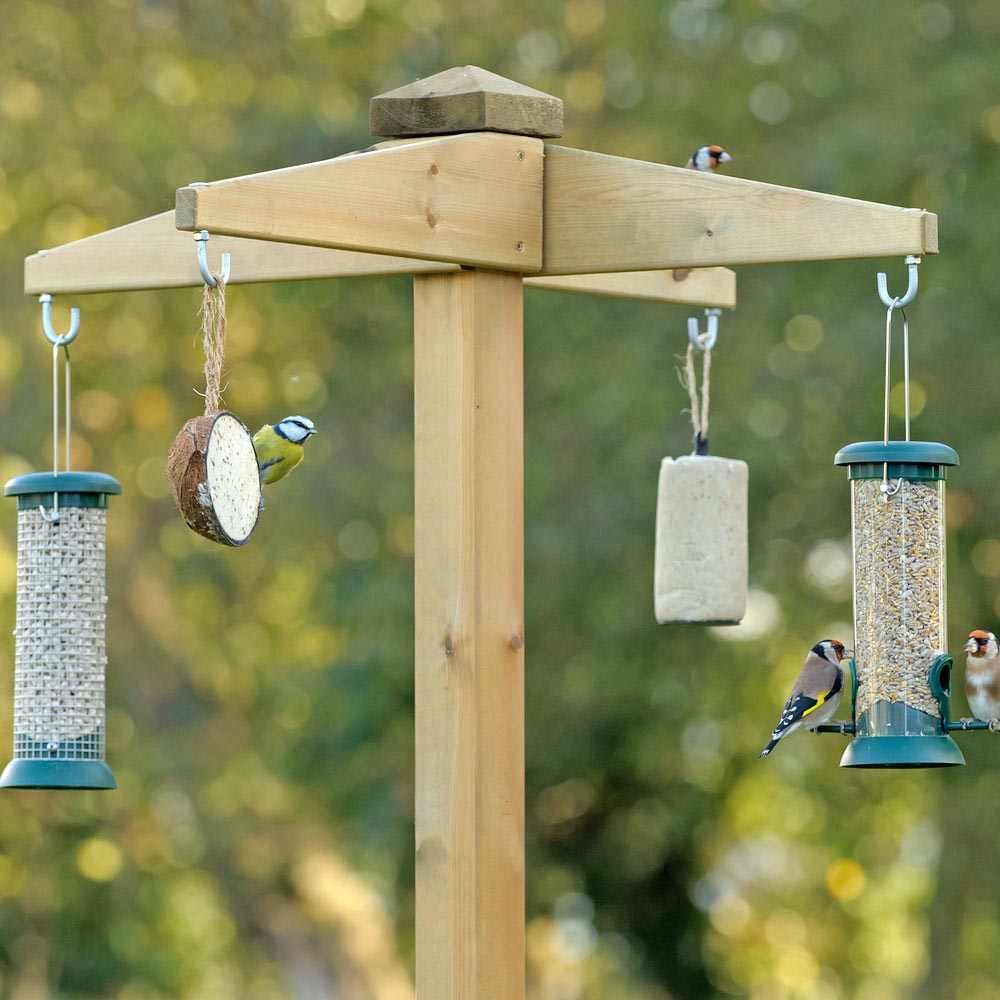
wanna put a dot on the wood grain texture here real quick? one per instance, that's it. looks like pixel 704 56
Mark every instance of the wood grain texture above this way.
pixel 706 286
pixel 469 504
pixel 153 253
pixel 606 213
pixel 466 99
pixel 472 199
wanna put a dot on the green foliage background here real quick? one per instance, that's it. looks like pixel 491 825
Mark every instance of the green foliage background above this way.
pixel 261 699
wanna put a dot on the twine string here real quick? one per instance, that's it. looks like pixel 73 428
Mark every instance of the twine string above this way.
pixel 213 328
pixel 699 413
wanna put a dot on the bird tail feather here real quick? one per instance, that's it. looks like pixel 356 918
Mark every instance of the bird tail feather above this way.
pixel 770 746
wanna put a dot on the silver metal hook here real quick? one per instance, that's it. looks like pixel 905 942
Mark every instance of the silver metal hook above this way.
pixel 50 334
pixel 911 289
pixel 202 238
pixel 704 341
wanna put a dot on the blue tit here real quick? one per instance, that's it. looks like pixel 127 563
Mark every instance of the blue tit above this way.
pixel 279 447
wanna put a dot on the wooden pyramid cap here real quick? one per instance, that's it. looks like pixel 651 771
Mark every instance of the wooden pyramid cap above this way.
pixel 466 99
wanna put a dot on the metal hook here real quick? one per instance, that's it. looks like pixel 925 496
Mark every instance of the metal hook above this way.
pixel 50 334
pixel 202 238
pixel 911 290
pixel 704 341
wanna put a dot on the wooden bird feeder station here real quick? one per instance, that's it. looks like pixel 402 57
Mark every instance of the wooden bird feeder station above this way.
pixel 470 198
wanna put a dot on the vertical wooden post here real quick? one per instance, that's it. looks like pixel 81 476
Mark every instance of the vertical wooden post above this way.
pixel 469 400
pixel 469 636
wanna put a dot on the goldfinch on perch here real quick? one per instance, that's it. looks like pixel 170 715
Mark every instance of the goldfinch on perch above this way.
pixel 279 447
pixel 816 692
pixel 708 158
pixel 982 675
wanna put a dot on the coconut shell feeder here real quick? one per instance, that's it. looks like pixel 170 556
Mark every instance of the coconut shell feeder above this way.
pixel 59 648
pixel 212 466
pixel 215 479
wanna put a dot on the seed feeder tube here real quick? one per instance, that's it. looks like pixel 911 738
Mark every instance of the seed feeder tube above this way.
pixel 903 675
pixel 59 715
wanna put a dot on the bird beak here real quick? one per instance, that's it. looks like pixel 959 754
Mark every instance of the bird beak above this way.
pixel 972 646
pixel 725 158
pixel 313 431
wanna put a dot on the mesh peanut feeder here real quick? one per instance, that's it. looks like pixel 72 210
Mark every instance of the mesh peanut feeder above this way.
pixel 60 658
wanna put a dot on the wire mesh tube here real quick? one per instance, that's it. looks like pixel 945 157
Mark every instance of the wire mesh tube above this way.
pixel 59 645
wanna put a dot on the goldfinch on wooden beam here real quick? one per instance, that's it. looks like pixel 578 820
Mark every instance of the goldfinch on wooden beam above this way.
pixel 816 692
pixel 279 447
pixel 982 676
pixel 708 158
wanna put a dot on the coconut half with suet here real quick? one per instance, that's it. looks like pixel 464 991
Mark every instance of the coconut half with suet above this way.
pixel 215 479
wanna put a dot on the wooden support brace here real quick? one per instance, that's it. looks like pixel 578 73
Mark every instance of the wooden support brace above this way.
pixel 469 508
pixel 607 213
pixel 703 286
pixel 473 199
pixel 153 253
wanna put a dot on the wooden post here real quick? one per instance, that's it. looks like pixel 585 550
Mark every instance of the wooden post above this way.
pixel 469 636
pixel 469 505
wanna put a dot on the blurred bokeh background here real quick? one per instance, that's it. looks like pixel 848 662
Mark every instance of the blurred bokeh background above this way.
pixel 260 700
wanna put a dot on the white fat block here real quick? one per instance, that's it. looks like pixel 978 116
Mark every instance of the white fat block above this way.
pixel 701 540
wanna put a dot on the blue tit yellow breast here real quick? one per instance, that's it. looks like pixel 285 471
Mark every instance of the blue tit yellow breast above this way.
pixel 276 455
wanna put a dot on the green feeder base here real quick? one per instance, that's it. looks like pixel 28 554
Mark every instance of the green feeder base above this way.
pixel 897 735
pixel 902 752
pixel 28 773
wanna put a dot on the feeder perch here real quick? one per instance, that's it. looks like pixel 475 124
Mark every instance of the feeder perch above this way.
pixel 59 648
pixel 903 675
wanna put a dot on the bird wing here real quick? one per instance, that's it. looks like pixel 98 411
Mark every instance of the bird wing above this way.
pixel 817 679
pixel 817 682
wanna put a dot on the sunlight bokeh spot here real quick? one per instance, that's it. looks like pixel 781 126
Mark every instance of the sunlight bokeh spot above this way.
pixel 845 879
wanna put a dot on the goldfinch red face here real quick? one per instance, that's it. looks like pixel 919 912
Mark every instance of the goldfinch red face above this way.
pixel 981 644
pixel 708 158
pixel 832 650
pixel 717 155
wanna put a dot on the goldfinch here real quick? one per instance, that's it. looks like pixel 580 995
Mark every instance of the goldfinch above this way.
pixel 816 692
pixel 982 675
pixel 708 158
pixel 279 447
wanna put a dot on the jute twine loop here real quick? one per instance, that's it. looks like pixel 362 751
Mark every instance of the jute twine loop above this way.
pixel 699 414
pixel 213 329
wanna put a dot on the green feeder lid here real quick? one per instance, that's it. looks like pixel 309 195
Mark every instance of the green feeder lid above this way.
pixel 896 452
pixel 63 482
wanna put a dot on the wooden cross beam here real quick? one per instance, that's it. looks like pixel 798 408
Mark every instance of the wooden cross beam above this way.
pixel 476 207
pixel 153 253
